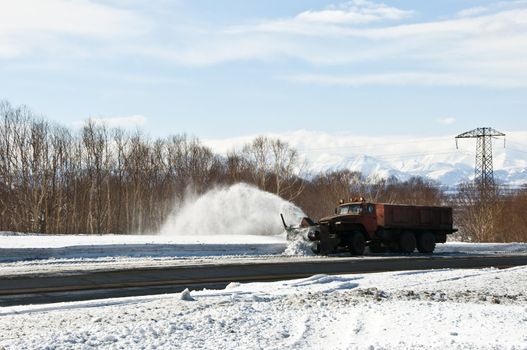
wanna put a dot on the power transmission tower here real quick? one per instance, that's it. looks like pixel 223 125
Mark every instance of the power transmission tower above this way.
pixel 484 172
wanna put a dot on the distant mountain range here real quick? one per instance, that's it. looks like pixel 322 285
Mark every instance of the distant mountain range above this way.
pixel 436 158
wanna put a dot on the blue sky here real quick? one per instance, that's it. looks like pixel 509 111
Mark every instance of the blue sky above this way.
pixel 220 69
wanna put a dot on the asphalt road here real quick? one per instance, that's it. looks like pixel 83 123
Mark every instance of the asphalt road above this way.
pixel 85 285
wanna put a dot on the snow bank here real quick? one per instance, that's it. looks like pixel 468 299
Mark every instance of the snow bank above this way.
pixel 459 247
pixel 300 246
pixel 61 241
pixel 33 247
pixel 240 209
pixel 113 248
pixel 435 309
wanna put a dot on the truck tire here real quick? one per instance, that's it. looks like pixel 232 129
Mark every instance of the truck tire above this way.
pixel 357 243
pixel 426 243
pixel 407 242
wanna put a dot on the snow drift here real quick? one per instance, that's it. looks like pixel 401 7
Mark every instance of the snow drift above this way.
pixel 240 209
pixel 434 309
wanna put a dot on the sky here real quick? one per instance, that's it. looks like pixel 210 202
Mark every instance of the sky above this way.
pixel 223 69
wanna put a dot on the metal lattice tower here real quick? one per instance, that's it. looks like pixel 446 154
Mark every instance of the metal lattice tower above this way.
pixel 484 172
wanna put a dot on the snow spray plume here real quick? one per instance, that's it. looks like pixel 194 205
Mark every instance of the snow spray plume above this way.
pixel 240 209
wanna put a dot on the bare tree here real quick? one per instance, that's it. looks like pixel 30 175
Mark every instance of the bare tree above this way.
pixel 97 162
pixel 276 165
pixel 258 154
pixel 286 170
pixel 476 216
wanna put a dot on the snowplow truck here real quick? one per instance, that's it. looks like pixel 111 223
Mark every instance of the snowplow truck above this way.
pixel 358 224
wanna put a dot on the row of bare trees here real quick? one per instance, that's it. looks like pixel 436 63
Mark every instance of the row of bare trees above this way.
pixel 323 191
pixel 102 180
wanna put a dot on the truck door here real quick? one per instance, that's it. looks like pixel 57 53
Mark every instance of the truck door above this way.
pixel 369 219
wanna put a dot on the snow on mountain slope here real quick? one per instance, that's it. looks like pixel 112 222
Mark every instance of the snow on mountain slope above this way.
pixel 434 157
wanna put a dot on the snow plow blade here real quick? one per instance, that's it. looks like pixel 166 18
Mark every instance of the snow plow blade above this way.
pixel 308 230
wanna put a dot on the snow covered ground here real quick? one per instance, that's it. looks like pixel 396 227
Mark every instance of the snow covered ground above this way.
pixel 34 254
pixel 397 310
pixel 19 247
pixel 437 309
pixel 16 247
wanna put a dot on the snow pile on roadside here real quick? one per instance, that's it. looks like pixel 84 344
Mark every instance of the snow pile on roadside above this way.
pixel 299 248
pixel 240 209
pixel 436 309
pixel 462 247
pixel 300 245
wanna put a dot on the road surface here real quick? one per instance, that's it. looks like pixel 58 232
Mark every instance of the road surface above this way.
pixel 84 285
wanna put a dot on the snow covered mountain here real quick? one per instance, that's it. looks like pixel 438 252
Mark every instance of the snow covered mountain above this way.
pixel 436 158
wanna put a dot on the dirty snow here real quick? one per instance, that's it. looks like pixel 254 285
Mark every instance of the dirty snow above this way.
pixel 435 309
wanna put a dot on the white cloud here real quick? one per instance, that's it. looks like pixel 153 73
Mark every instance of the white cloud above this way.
pixel 404 78
pixel 491 7
pixel 26 25
pixel 446 121
pixel 473 11
pixel 483 48
pixel 125 122
pixel 354 12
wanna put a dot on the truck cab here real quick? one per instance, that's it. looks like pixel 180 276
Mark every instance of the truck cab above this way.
pixel 350 228
pixel 358 215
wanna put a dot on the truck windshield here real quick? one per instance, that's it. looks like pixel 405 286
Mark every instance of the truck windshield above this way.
pixel 352 209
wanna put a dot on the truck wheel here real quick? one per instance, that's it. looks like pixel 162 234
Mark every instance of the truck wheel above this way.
pixel 407 242
pixel 426 243
pixel 357 243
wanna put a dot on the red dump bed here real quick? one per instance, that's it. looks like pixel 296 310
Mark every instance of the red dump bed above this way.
pixel 414 217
